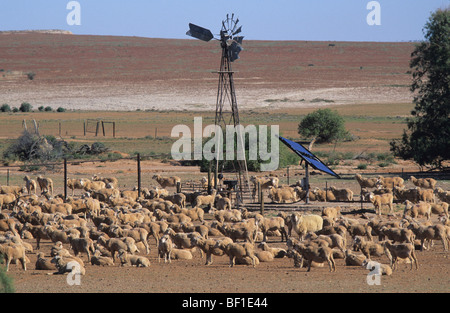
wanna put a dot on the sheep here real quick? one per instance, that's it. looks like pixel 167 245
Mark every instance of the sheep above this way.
pixel 245 230
pixel 322 195
pixel 205 200
pixel 112 181
pixel 238 250
pixel 401 194
pixel 442 195
pixel 331 212
pixel 167 181
pixel 92 207
pixel 302 224
pixel 16 190
pixel 390 182
pixel 85 245
pixel 182 254
pixel 271 224
pixel 115 244
pixel 352 259
pixel 426 195
pixel 165 247
pixel 277 253
pixel 195 214
pixel 376 226
pixel 67 265
pixel 344 194
pixel 397 234
pixel 223 203
pixel 75 183
pixel 6 200
pixel 400 250
pixel 13 253
pixel 368 248
pixel 358 229
pixel 332 240
pixel 132 260
pixel 43 264
pixel 139 234
pixel 177 198
pixel 181 240
pixel 366 182
pixel 100 260
pixel 380 200
pixel 209 246
pixel 264 183
pixel 226 215
pixel 30 184
pixel 440 209
pixel 430 233
pixel 416 210
pixel 283 194
pixel 428 183
pixel 45 184
pixel 315 253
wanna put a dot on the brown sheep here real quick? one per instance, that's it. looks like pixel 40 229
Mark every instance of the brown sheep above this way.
pixel 416 210
pixel 206 200
pixel 267 224
pixel 283 194
pixel 379 200
pixel 209 246
pixel 30 184
pixel 344 194
pixel 322 195
pixel 440 208
pixel 167 181
pixel 430 233
pixel 45 184
pixel 331 212
pixel 366 182
pixel 428 183
pixel 13 253
pixel 314 253
pixel 368 248
pixel 400 250
pixel 391 182
pixel 238 250
pixel 42 264
pixel 132 260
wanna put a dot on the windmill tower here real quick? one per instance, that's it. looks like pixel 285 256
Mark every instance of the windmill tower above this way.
pixel 227 112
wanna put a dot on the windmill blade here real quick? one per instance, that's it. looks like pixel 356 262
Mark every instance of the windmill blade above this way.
pixel 238 31
pixel 199 32
pixel 235 25
pixel 239 39
pixel 234 50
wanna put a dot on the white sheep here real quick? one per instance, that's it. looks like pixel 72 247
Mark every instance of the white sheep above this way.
pixel 303 224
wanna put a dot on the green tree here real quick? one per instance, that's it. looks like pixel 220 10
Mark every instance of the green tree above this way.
pixel 323 125
pixel 427 139
pixel 25 107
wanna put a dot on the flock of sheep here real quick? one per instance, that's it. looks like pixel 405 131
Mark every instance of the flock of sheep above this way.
pixel 106 226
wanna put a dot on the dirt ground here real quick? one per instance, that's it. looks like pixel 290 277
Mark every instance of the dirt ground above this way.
pixel 278 276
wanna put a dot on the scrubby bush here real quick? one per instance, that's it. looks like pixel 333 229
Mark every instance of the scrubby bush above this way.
pixel 5 108
pixel 25 107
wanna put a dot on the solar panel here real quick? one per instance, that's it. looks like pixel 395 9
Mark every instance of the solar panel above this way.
pixel 306 155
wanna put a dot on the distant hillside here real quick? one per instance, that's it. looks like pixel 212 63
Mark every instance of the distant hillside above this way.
pixel 40 31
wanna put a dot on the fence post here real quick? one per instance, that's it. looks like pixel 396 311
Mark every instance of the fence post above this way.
pixel 7 177
pixel 261 199
pixel 139 173
pixel 65 179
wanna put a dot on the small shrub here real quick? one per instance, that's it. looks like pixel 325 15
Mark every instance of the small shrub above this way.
pixel 25 107
pixel 41 108
pixel 362 166
pixel 48 109
pixel 60 109
pixel 5 108
pixel 31 75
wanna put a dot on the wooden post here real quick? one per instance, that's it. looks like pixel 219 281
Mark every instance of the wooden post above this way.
pixel 65 179
pixel 139 174
pixel 261 200
pixel 361 199
pixel 59 129
pixel 114 129
pixel 103 128
pixel 178 187
pixel 84 128
pixel 326 191
pixel 156 132
pixel 209 179
pixel 307 182
pixel 7 177
pixel 287 170
pixel 97 128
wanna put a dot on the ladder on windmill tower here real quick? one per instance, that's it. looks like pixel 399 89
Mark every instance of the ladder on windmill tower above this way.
pixel 227 112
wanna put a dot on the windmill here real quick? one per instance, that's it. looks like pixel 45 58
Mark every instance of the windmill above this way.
pixel 227 112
